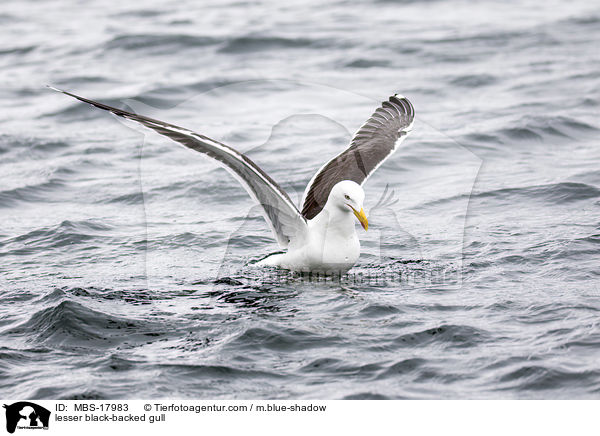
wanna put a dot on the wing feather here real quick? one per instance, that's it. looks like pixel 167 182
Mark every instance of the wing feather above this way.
pixel 374 142
pixel 283 217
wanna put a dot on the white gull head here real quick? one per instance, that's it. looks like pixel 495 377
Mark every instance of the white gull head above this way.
pixel 348 197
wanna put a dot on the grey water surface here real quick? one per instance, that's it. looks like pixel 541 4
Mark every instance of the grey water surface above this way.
pixel 124 258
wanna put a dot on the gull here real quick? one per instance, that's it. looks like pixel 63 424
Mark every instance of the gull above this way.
pixel 321 236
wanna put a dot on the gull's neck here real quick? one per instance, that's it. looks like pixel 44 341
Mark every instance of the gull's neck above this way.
pixel 334 219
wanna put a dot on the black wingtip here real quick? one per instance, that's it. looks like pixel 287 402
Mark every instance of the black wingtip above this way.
pixel 404 103
pixel 53 88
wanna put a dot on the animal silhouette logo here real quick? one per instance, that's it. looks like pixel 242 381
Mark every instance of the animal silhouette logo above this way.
pixel 26 415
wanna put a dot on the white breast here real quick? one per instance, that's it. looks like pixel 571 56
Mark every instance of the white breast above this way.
pixel 331 245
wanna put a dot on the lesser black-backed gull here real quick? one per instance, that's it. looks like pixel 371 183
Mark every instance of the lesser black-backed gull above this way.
pixel 322 236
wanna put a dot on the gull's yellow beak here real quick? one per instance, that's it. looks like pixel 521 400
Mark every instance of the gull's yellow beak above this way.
pixel 362 218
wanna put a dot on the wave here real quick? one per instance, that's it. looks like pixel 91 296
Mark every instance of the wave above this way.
pixel 402 367
pixel 158 42
pixel 71 324
pixel 541 127
pixel 454 336
pixel 87 395
pixel 68 323
pixel 21 357
pixel 83 80
pixel 544 313
pixel 529 129
pixel 586 20
pixel 131 296
pixel 7 18
pixel 482 140
pixel 494 38
pixel 473 80
pixel 195 372
pixel 338 367
pixel 39 192
pixel 164 43
pixel 67 233
pixel 276 339
pixel 367 63
pixel 9 143
pixel 115 363
pixel 246 44
pixel 553 193
pixel 17 50
pixel 538 377
pixel 380 310
pixel 142 13
pixel 130 198
pixel 556 193
pixel 366 395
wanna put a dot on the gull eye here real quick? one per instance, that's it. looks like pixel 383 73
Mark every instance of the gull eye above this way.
pixel 347 197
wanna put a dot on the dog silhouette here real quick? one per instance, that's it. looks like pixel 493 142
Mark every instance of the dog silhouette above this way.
pixel 24 409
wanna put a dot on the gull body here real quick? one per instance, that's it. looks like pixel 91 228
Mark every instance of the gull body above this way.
pixel 321 235
pixel 331 242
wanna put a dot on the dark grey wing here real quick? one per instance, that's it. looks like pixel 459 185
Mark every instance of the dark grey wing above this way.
pixel 282 216
pixel 374 142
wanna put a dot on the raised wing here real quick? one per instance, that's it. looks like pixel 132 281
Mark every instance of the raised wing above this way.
pixel 279 211
pixel 374 142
